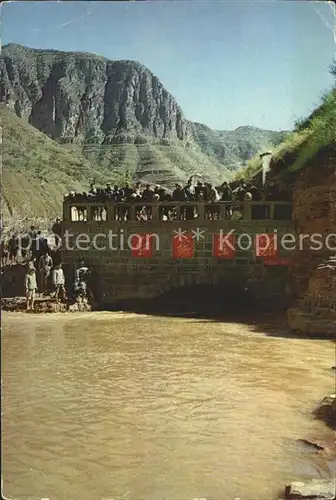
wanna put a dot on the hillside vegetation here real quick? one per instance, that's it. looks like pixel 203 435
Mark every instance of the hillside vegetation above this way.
pixel 313 135
pixel 156 162
pixel 36 171
pixel 310 137
pixel 234 148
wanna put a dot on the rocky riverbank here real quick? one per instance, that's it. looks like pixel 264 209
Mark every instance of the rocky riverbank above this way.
pixel 326 411
pixel 44 305
pixel 320 323
pixel 12 279
pixel 318 489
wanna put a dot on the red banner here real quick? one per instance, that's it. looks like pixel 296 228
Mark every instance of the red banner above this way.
pixel 141 245
pixel 278 261
pixel 183 247
pixel 224 246
pixel 266 245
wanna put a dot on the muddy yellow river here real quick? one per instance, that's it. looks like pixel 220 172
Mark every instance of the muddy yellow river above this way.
pixel 126 406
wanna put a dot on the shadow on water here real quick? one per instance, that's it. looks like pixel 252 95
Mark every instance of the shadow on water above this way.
pixel 211 303
pixel 232 303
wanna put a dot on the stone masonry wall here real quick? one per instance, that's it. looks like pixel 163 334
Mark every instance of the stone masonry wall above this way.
pixel 118 275
pixel 313 271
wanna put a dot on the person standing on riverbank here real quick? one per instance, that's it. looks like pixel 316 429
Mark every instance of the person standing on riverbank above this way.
pixel 81 271
pixel 13 249
pixel 57 231
pixel 32 242
pixel 45 265
pixel 80 286
pixel 30 287
pixel 59 282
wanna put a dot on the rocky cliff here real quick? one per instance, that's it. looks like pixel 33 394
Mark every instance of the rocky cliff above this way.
pixel 83 97
pixel 87 99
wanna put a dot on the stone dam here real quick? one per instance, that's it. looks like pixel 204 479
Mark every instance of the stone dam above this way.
pixel 136 259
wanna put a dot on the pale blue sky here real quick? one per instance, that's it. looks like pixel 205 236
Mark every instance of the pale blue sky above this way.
pixel 261 63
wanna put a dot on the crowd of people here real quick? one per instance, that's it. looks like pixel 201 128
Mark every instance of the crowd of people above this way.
pixel 45 275
pixel 23 246
pixel 29 245
pixel 48 279
pixel 233 193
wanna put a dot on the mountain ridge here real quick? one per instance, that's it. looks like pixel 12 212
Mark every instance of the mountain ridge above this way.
pixel 118 117
pixel 153 113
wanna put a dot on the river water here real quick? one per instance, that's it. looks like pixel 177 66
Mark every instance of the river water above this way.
pixel 126 406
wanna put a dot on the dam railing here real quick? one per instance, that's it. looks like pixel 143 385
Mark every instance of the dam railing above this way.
pixel 167 212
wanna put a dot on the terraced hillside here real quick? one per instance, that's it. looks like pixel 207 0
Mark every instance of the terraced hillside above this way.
pixel 37 170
